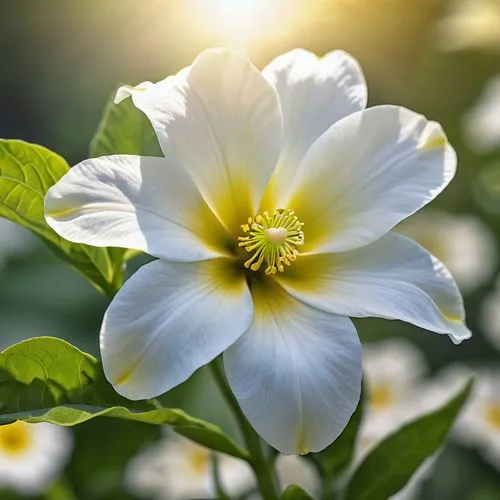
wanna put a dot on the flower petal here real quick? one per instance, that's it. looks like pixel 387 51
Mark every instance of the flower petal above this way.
pixel 314 93
pixel 170 319
pixel 221 121
pixel 296 372
pixel 365 174
pixel 148 204
pixel 393 278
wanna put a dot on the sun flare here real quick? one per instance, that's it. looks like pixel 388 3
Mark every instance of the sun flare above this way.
pixel 240 22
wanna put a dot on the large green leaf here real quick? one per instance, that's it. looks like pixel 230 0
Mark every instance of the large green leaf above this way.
pixel 392 463
pixel 27 171
pixel 46 379
pixel 124 129
pixel 333 460
pixel 294 492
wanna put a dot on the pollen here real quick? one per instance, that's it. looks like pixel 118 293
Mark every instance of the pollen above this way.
pixel 272 239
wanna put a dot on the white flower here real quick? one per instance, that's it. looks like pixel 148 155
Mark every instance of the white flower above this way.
pixel 462 242
pixel 270 216
pixel 394 373
pixel 490 315
pixel 482 121
pixel 398 392
pixel 292 469
pixel 479 423
pixel 470 24
pixel 32 455
pixel 175 468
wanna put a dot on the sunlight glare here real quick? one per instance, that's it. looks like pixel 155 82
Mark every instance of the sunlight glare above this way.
pixel 240 22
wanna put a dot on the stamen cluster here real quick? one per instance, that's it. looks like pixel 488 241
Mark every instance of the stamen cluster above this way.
pixel 273 239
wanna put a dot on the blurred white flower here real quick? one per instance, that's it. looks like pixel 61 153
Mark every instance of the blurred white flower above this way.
pixel 482 122
pixel 470 24
pixel 394 374
pixel 175 468
pixel 479 423
pixel 32 455
pixel 462 242
pixel 399 391
pixel 490 316
pixel 293 469
pixel 15 240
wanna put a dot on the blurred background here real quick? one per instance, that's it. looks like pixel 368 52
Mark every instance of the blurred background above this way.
pixel 60 63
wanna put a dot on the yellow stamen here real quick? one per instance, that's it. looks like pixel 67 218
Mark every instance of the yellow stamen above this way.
pixel 273 239
pixel 15 438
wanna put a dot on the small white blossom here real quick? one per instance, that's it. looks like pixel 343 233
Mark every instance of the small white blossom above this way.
pixel 175 468
pixel 32 455
pixel 394 375
pixel 478 424
pixel 270 216
pixel 293 469
pixel 482 121
pixel 398 391
pixel 490 316
pixel 462 242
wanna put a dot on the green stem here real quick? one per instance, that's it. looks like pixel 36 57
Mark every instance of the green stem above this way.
pixel 219 488
pixel 327 490
pixel 261 466
pixel 156 403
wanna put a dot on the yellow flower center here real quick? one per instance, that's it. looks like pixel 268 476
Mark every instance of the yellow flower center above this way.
pixel 15 438
pixel 492 415
pixel 380 397
pixel 198 459
pixel 272 239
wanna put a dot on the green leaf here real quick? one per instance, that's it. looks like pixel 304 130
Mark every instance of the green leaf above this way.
pixel 46 379
pixel 124 129
pixel 333 460
pixel 294 492
pixel 392 463
pixel 27 171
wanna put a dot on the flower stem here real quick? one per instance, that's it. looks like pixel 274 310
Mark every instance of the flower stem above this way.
pixel 260 464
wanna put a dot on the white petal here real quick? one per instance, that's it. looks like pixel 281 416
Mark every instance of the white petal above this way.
pixel 393 278
pixel 365 174
pixel 148 204
pixel 296 372
pixel 221 121
pixel 314 93
pixel 170 319
pixel 127 90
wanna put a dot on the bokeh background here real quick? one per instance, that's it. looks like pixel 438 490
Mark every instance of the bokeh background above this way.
pixel 61 60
